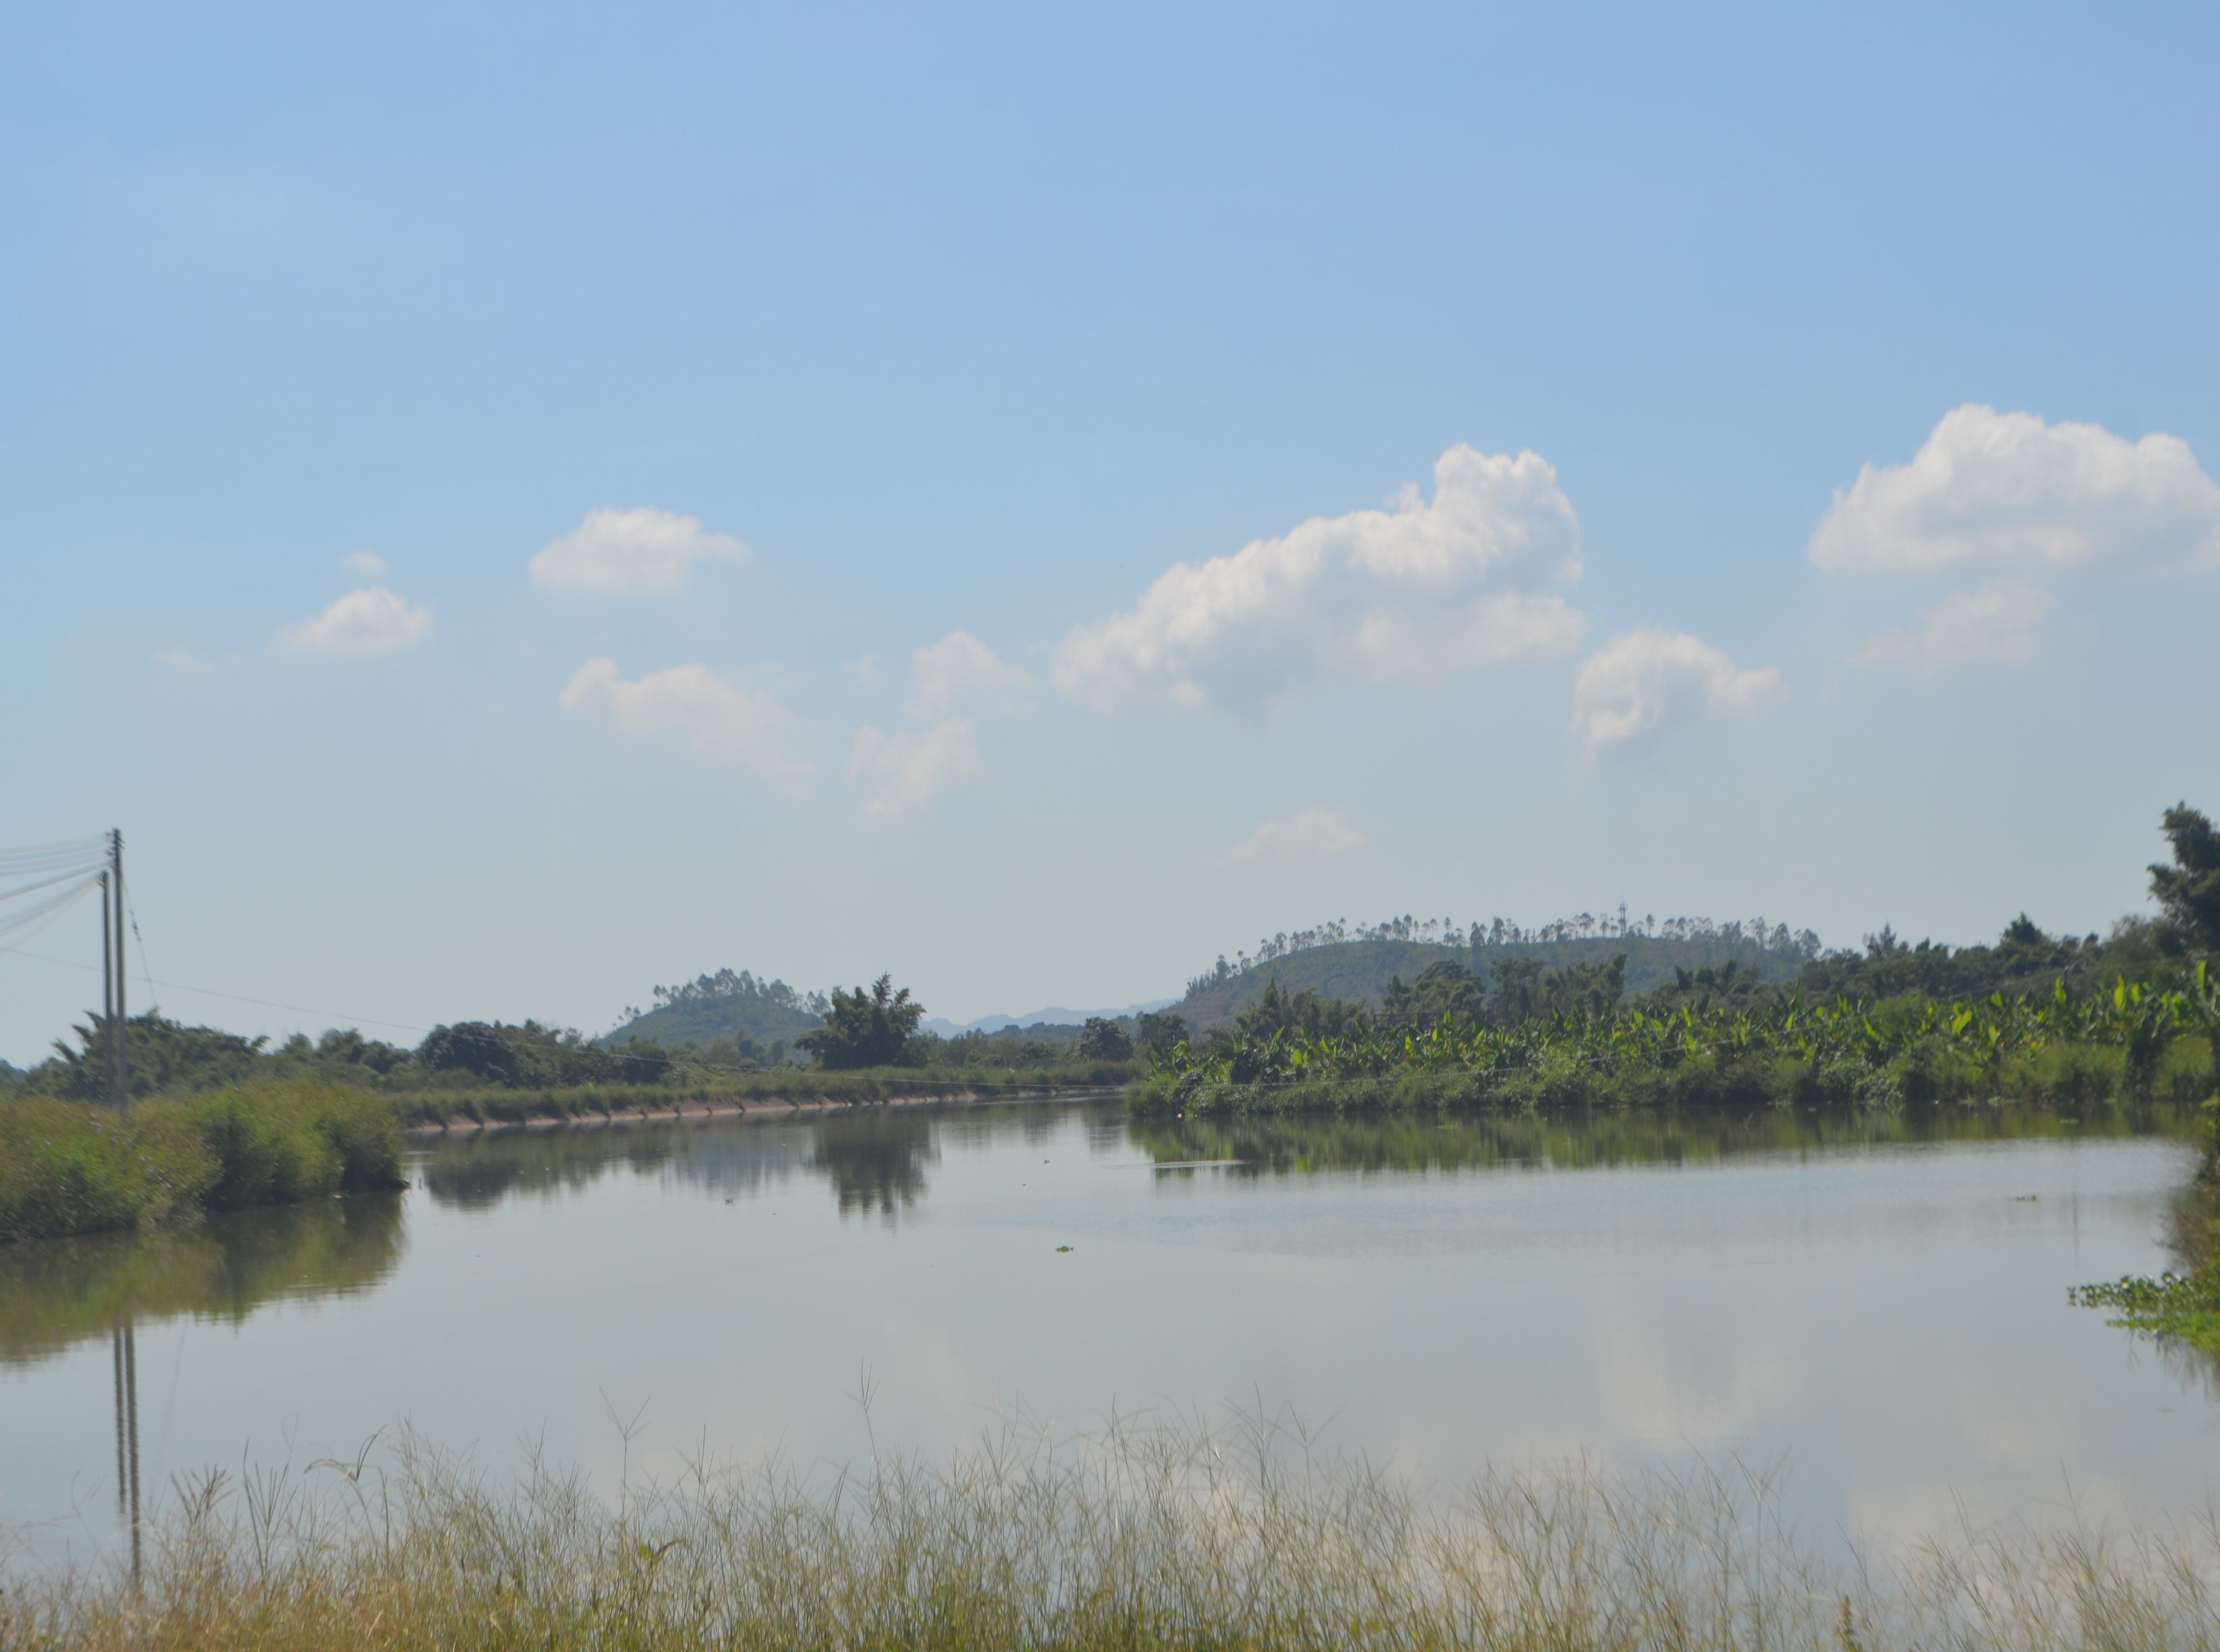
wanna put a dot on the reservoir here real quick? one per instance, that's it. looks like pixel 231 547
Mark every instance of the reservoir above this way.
pixel 1874 1310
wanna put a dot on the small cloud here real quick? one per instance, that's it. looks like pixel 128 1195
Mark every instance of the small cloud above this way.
pixel 363 562
pixel 182 661
pixel 865 669
pixel 641 550
pixel 360 624
pixel 1423 590
pixel 907 767
pixel 1310 834
pixel 960 663
pixel 2010 491
pixel 714 715
pixel 1642 683
pixel 1998 620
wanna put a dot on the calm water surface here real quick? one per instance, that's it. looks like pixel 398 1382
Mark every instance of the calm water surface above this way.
pixel 1884 1307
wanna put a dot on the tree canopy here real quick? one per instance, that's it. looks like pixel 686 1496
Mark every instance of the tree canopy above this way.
pixel 870 1026
pixel 2188 892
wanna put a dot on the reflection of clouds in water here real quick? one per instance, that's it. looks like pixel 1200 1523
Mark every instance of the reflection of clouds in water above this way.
pixel 1704 1390
pixel 2012 1425
pixel 1892 1520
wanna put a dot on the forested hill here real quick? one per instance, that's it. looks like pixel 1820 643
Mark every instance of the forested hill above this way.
pixel 743 1007
pixel 1361 968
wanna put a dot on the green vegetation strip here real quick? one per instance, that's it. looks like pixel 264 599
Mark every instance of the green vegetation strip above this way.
pixel 66 1166
pixel 1303 1054
pixel 1136 1540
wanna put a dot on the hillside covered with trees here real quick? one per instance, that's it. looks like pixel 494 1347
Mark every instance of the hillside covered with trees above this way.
pixel 741 1008
pixel 1361 963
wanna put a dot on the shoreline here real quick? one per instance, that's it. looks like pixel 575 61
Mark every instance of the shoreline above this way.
pixel 701 1112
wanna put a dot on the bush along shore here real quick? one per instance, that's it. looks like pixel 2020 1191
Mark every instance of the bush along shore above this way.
pixel 2132 1039
pixel 72 1166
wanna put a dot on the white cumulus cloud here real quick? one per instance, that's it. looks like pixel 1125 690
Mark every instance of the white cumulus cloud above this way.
pixel 1425 588
pixel 640 550
pixel 906 768
pixel 715 715
pixel 360 624
pixel 1998 620
pixel 1308 834
pixel 1642 683
pixel 959 664
pixel 2009 491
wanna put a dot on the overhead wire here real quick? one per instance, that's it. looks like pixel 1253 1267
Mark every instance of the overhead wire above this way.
pixel 66 846
pixel 38 865
pixel 239 997
pixel 38 915
pixel 145 970
pixel 47 882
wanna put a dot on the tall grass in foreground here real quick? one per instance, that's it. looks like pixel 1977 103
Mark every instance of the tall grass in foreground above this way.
pixel 1139 1540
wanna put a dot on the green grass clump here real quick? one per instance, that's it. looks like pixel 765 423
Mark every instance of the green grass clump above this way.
pixel 1136 1540
pixel 71 1166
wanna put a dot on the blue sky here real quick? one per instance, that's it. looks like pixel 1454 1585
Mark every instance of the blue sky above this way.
pixel 793 345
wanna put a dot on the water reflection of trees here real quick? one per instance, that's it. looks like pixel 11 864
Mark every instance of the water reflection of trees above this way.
pixel 1367 1144
pixel 876 1161
pixel 57 1293
pixel 478 1171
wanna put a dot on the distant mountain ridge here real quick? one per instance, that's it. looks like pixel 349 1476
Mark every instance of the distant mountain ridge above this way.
pixel 1053 1015
pixel 1335 960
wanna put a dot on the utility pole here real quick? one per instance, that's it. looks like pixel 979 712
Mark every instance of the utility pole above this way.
pixel 107 987
pixel 119 1053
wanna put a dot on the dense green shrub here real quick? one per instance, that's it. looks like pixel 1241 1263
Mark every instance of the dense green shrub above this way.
pixel 71 1166
pixel 66 1166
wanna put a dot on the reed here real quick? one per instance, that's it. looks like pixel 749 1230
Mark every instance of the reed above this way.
pixel 1137 1538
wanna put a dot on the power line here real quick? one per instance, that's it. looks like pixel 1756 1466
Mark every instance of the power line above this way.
pixel 237 998
pixel 31 919
pixel 146 968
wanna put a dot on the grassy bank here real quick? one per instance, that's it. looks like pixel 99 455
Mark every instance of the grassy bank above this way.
pixel 774 1086
pixel 69 1167
pixel 1140 1541
pixel 1574 1074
